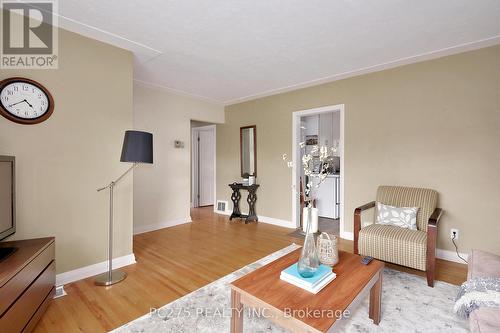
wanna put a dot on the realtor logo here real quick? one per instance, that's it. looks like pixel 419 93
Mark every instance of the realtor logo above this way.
pixel 29 38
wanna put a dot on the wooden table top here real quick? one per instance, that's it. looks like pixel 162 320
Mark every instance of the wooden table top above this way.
pixel 27 250
pixel 352 276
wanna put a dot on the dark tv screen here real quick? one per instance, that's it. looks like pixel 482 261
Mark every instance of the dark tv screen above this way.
pixel 7 196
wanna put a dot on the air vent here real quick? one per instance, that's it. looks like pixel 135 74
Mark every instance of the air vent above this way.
pixel 60 292
pixel 221 206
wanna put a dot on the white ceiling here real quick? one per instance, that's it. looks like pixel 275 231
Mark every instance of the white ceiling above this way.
pixel 233 50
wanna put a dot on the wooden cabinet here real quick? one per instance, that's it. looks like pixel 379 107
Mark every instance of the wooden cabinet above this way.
pixel 27 283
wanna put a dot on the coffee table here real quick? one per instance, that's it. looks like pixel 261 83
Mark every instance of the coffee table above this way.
pixel 300 311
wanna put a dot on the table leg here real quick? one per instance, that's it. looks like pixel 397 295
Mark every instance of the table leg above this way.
pixel 235 198
pixel 236 312
pixel 375 299
pixel 251 199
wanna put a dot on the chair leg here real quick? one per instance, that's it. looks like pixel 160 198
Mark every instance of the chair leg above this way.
pixel 430 277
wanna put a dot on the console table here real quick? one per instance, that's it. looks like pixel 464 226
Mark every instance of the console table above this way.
pixel 251 199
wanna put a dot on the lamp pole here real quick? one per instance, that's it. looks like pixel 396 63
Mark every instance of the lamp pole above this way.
pixel 110 277
pixel 137 148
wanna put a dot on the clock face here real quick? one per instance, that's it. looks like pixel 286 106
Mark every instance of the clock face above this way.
pixel 25 101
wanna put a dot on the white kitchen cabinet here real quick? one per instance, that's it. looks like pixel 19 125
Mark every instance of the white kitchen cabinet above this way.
pixel 311 124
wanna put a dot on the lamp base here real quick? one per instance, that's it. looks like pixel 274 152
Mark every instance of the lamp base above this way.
pixel 116 276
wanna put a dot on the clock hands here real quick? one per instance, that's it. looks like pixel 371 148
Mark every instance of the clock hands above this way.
pixel 23 101
pixel 16 103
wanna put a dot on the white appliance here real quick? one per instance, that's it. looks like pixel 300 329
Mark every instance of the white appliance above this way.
pixel 336 213
pixel 328 197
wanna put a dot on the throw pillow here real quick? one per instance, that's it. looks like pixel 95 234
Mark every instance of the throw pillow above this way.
pixel 404 217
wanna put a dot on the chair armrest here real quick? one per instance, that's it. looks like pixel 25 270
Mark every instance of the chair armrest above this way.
pixel 364 207
pixel 357 222
pixel 431 245
pixel 435 217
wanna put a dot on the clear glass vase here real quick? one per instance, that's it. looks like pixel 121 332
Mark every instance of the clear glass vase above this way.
pixel 309 261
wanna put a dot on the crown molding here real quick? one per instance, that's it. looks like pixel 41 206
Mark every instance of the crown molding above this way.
pixel 178 92
pixel 471 46
pixel 144 54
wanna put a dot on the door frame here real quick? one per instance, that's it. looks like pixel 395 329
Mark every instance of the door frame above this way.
pixel 296 155
pixel 194 162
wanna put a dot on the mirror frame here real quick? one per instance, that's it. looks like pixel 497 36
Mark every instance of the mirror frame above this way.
pixel 254 146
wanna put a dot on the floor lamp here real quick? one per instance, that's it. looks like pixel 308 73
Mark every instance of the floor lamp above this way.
pixel 137 148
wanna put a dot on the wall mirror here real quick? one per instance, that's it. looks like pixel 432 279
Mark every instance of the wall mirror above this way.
pixel 248 151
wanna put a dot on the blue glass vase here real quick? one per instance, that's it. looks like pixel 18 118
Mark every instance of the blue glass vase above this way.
pixel 309 261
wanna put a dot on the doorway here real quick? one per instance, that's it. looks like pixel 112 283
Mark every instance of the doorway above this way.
pixel 314 121
pixel 202 164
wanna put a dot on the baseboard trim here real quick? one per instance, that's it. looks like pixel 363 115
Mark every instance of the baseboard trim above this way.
pixel 451 256
pixel 441 254
pixel 277 222
pixel 91 270
pixel 264 219
pixel 156 226
pixel 347 235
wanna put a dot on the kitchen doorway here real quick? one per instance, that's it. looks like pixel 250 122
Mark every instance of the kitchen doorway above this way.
pixel 320 126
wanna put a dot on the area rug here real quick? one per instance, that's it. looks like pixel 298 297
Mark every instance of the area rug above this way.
pixel 408 305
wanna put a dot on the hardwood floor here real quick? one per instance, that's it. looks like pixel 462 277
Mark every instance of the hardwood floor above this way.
pixel 175 261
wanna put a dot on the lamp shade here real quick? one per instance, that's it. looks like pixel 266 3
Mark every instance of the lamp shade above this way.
pixel 137 147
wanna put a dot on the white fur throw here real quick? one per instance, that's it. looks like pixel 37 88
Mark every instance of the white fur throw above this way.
pixel 476 293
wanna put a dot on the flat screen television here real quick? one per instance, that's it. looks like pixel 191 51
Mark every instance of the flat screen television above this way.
pixel 7 196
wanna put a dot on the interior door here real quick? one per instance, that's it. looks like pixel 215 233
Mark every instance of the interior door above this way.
pixel 206 154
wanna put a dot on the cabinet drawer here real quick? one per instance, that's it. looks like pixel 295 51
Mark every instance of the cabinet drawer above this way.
pixel 16 286
pixel 27 305
pixel 39 313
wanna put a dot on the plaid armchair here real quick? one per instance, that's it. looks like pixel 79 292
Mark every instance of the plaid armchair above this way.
pixel 406 247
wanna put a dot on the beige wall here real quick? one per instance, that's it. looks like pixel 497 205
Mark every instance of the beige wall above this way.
pixel 162 190
pixel 61 162
pixel 433 124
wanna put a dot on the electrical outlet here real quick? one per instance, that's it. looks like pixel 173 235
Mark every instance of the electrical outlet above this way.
pixel 454 232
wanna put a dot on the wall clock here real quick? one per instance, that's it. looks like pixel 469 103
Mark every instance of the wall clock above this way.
pixel 25 101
